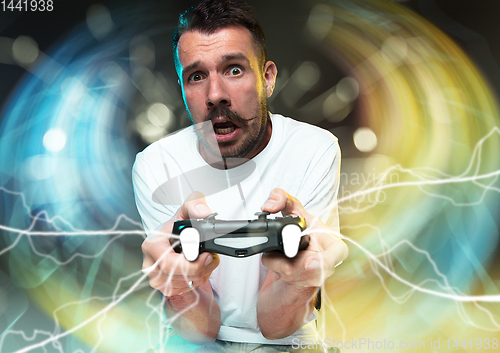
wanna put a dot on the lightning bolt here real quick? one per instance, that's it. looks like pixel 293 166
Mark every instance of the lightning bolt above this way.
pixel 447 292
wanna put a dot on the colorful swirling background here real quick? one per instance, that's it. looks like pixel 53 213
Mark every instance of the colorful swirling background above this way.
pixel 410 91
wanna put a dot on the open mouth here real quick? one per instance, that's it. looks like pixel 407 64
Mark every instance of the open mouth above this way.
pixel 224 128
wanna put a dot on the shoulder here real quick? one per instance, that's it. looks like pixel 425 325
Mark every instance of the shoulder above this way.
pixel 178 141
pixel 304 135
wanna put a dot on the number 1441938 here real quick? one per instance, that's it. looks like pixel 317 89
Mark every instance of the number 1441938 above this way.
pixel 27 5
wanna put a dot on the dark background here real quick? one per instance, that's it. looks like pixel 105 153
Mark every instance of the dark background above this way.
pixel 474 25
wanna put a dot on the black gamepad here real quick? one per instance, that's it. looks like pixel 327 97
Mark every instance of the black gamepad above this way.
pixel 240 238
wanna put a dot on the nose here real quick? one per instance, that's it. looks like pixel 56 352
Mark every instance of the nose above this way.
pixel 217 93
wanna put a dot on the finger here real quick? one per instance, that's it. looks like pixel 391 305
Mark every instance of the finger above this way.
pixel 211 262
pixel 194 207
pixel 281 264
pixel 279 200
pixel 185 283
pixel 155 250
pixel 180 270
pixel 294 270
pixel 333 252
pixel 174 287
pixel 189 284
pixel 165 282
pixel 206 262
pixel 168 291
pixel 177 280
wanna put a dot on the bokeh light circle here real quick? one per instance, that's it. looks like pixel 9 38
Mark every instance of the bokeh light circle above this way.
pixel 431 111
pixel 54 140
pixel 365 139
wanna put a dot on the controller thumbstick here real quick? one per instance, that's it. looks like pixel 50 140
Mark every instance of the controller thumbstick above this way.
pixel 262 215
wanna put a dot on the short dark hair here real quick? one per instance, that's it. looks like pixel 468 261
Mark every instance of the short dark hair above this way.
pixel 210 15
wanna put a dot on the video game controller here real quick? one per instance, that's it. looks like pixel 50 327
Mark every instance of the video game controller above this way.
pixel 240 238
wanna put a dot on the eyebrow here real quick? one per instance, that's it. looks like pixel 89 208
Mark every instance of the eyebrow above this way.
pixel 239 56
pixel 191 67
pixel 227 57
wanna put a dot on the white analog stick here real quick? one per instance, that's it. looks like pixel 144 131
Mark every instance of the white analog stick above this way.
pixel 290 235
pixel 190 242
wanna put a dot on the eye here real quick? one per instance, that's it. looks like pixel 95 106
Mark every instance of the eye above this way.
pixel 195 77
pixel 235 71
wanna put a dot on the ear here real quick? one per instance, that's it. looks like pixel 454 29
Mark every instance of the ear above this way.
pixel 270 73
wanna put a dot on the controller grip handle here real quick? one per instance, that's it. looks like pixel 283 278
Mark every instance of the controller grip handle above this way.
pixel 188 243
pixel 304 242
pixel 293 241
pixel 175 243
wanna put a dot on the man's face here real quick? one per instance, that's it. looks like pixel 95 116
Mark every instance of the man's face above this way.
pixel 225 88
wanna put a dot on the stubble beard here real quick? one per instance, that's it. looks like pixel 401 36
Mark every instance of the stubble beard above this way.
pixel 243 150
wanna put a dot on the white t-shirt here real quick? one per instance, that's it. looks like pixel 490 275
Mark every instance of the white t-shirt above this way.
pixel 301 159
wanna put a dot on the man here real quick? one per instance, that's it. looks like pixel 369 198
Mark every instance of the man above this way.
pixel 235 160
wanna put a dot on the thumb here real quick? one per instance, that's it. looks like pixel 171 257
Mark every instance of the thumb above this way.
pixel 194 207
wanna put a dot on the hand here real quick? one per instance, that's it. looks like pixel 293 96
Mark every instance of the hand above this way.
pixel 312 266
pixel 168 271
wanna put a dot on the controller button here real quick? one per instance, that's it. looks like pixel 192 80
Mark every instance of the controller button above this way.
pixel 241 253
pixel 210 218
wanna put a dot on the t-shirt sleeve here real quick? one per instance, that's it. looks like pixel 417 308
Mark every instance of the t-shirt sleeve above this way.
pixel 321 185
pixel 145 183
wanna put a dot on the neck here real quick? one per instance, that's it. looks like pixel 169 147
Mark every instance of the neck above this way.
pixel 220 162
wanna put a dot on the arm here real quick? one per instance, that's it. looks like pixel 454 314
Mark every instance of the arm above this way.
pixel 194 312
pixel 286 298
